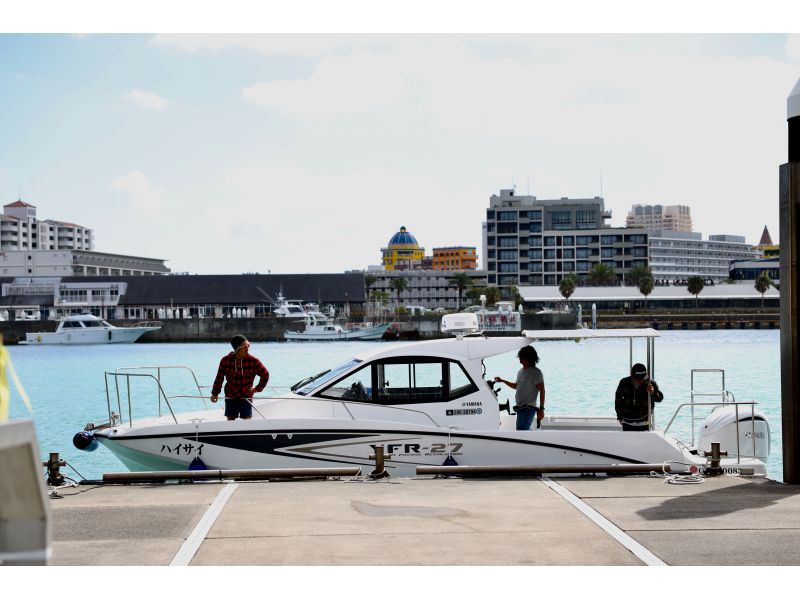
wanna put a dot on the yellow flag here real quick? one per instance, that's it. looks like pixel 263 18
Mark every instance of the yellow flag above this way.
pixel 7 368
pixel 5 395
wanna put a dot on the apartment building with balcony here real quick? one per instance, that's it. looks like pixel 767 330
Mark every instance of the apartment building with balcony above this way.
pixel 454 258
pixel 677 256
pixel 532 242
pixel 21 230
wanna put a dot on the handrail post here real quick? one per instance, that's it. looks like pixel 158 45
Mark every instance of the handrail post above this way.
pixel 108 396
pixel 130 409
pixel 738 450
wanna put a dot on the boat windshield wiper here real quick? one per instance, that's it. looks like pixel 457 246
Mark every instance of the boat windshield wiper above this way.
pixel 305 381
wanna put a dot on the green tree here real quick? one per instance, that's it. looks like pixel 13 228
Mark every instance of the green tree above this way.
pixel 567 286
pixel 646 285
pixel 492 295
pixel 399 284
pixel 460 280
pixel 369 280
pixel 635 274
pixel 695 286
pixel 602 274
pixel 473 294
pixel 381 297
pixel 763 282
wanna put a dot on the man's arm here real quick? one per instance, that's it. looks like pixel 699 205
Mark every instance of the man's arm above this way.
pixel 540 413
pixel 263 376
pixel 656 395
pixel 217 386
pixel 619 398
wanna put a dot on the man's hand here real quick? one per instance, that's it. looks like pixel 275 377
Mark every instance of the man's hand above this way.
pixel 650 389
pixel 540 414
pixel 214 398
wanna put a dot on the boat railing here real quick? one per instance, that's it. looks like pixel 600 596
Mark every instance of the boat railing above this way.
pixel 147 372
pixel 723 403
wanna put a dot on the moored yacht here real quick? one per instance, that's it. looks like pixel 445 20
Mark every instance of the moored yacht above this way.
pixel 87 329
pixel 424 402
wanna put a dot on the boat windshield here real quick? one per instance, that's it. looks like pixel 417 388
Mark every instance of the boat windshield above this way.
pixel 309 385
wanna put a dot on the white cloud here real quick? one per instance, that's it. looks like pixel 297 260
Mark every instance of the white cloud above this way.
pixel 269 44
pixel 147 100
pixel 139 193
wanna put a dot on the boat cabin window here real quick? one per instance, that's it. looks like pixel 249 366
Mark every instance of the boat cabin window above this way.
pixel 71 324
pixel 398 381
pixel 92 324
pixel 310 384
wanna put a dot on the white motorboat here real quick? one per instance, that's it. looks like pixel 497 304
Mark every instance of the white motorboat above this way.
pixel 424 402
pixel 87 329
pixel 319 327
pixel 288 308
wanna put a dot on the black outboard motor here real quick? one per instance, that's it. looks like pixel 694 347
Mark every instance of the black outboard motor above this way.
pixel 85 441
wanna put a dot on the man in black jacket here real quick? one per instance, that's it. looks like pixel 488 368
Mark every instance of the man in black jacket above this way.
pixel 632 401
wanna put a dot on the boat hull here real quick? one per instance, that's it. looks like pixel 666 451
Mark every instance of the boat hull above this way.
pixel 278 444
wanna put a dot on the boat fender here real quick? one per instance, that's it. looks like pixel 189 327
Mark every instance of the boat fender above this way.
pixel 85 441
pixel 197 465
pixel 39 339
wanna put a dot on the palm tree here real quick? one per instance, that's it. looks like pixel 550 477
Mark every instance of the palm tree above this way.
pixel 695 285
pixel 461 280
pixel 399 284
pixel 763 282
pixel 602 274
pixel 646 287
pixel 635 274
pixel 567 286
pixel 474 294
pixel 369 280
pixel 492 295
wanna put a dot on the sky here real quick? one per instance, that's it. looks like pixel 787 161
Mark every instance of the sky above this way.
pixel 296 153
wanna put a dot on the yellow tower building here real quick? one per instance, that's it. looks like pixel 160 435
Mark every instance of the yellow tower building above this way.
pixel 403 252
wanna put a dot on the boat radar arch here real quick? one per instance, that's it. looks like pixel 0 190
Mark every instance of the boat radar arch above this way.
pixel 460 324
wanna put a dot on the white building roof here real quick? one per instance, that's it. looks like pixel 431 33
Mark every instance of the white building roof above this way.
pixel 745 290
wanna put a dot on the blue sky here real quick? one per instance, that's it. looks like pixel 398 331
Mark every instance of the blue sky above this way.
pixel 305 153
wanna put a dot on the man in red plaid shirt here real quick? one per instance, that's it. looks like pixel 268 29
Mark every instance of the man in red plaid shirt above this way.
pixel 240 369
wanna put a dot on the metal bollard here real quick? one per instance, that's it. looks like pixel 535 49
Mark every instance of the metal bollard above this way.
pixel 715 457
pixel 379 471
pixel 54 477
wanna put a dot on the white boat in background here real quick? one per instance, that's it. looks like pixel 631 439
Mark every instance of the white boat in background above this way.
pixel 427 403
pixel 288 308
pixel 319 327
pixel 555 308
pixel 87 329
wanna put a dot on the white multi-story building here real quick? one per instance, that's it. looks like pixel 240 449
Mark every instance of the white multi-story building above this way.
pixel 20 230
pixel 41 262
pixel 658 217
pixel 425 288
pixel 677 256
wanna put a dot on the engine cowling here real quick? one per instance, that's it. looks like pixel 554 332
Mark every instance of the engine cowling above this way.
pixel 721 427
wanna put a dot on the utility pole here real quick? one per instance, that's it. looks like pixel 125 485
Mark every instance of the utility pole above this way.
pixel 790 288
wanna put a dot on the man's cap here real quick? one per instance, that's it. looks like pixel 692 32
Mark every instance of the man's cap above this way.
pixel 639 371
pixel 237 341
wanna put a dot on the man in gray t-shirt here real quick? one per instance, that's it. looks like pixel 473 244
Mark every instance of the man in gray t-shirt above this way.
pixel 529 386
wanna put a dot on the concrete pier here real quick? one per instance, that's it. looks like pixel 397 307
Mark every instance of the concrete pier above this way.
pixel 635 520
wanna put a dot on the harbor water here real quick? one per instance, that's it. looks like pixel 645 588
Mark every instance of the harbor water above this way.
pixel 67 388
